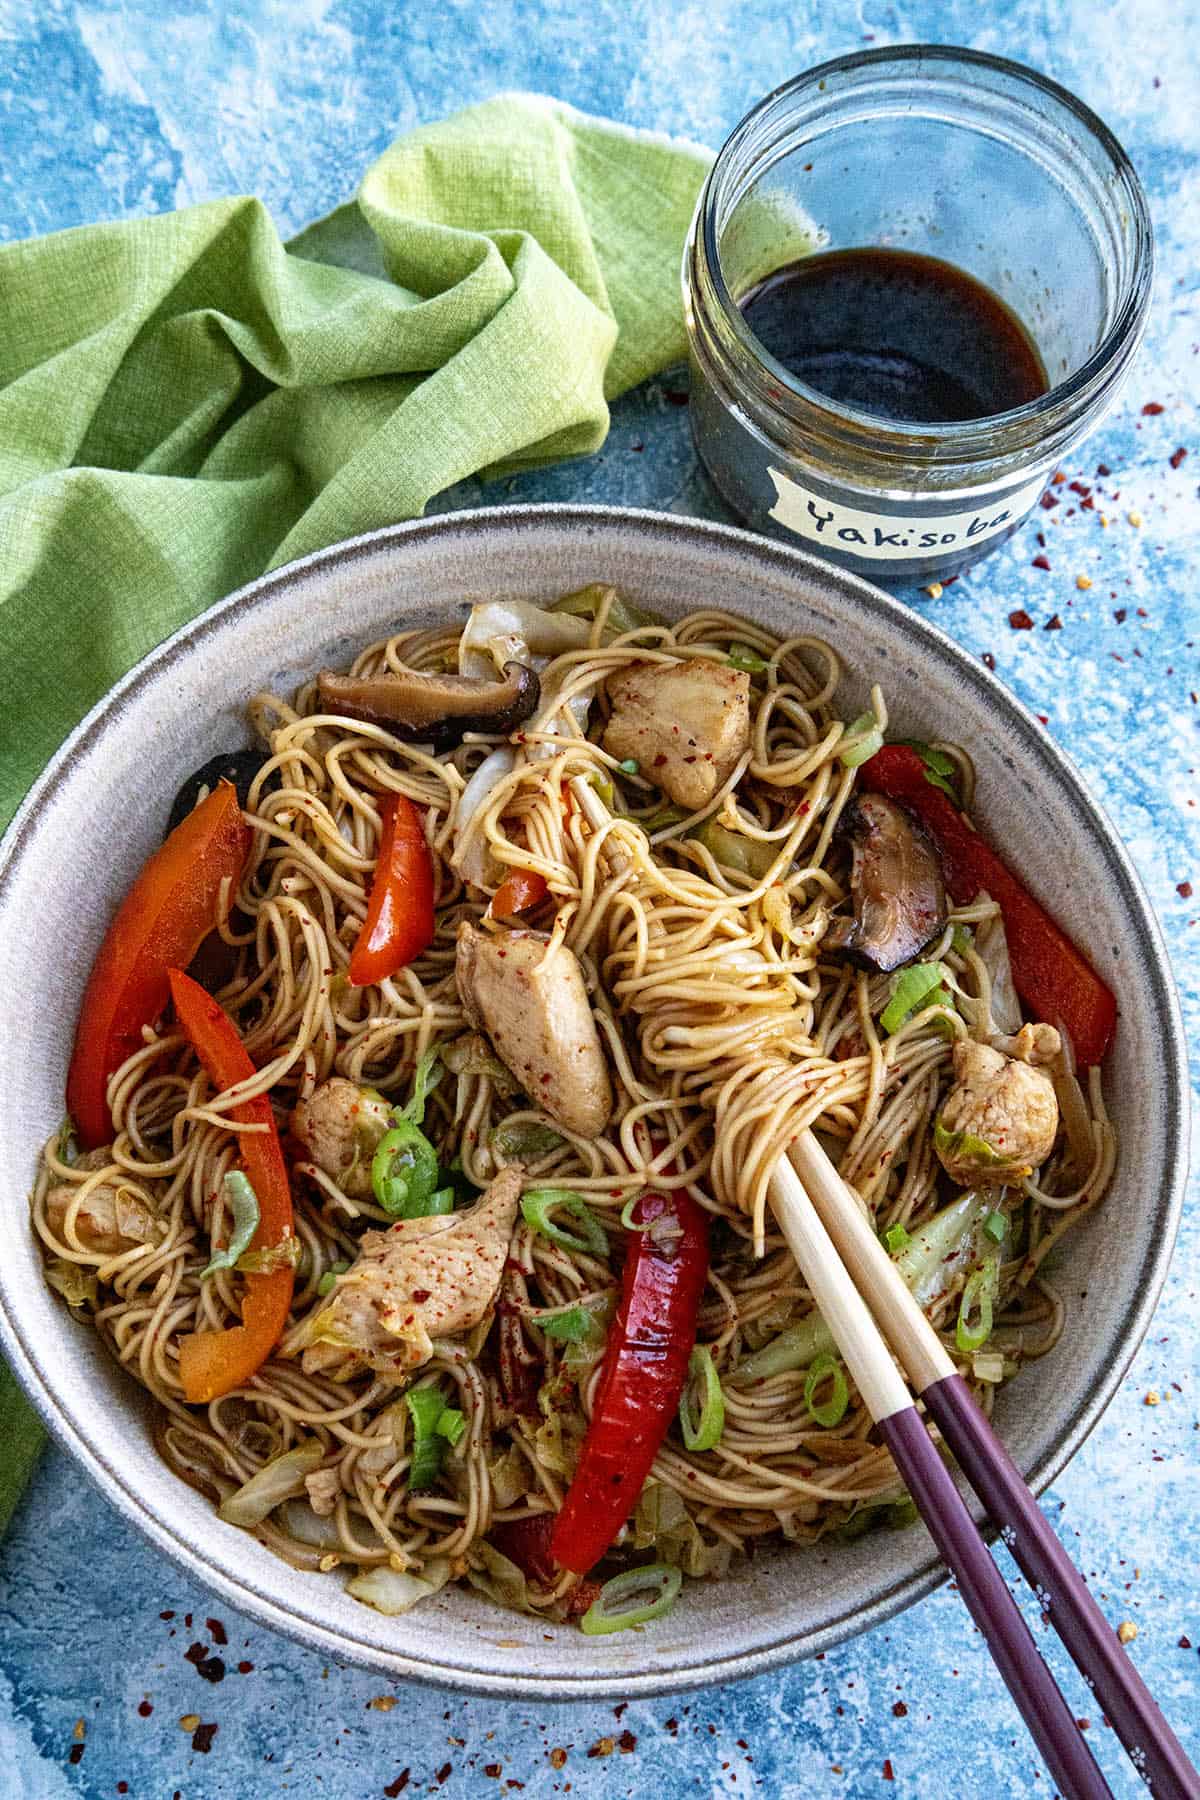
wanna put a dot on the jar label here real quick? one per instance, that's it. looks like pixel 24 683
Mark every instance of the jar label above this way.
pixel 896 536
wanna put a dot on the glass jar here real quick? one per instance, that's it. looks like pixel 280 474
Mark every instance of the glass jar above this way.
pixel 966 157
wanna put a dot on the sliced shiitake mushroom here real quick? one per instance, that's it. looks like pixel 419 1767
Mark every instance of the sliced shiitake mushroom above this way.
pixel 431 708
pixel 895 883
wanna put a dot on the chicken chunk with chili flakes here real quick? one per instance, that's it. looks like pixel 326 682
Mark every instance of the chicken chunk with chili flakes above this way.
pixel 686 725
pixel 999 1121
pixel 422 1280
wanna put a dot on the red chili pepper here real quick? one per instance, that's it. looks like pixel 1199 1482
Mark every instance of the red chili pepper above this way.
pixel 645 1367
pixel 169 910
pixel 212 1363
pixel 526 1542
pixel 1052 977
pixel 518 892
pixel 399 921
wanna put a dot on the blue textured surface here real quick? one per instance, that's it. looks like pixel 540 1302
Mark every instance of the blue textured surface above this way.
pixel 121 107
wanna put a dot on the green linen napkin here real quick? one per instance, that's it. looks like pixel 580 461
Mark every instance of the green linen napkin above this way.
pixel 185 401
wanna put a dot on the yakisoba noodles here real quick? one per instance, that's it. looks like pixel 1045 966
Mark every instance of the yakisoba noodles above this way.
pixel 722 949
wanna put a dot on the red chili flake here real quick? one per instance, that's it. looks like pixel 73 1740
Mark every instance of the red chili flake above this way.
pixel 1057 478
pixel 1048 500
pixel 444 1773
pixel 144 1709
pixel 637 447
pixel 514 1784
pixel 245 1668
pixel 122 1787
pixel 187 1619
pixel 1041 562
pixel 1088 505
pixel 1121 614
pixel 395 1788
pixel 1020 620
pixel 1152 409
pixel 1079 487
pixel 671 1725
pixel 988 660
pixel 1053 623
pixel 626 1743
pixel 217 1631
pixel 1184 889
pixel 1043 718
pixel 75 1754
pixel 202 1738
pixel 420 1295
pixel 1185 1643
pixel 490 1769
pixel 1103 469
pixel 676 397
pixel 660 759
pixel 1084 1724
pixel 210 1668
pixel 1177 457
pixel 888 1772
pixel 166 1615
pixel 899 1708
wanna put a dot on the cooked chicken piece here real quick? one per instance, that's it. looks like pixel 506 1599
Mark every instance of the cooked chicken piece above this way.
pixel 112 1216
pixel 533 1004
pixel 340 1125
pixel 1000 1120
pixel 323 1487
pixel 1036 1044
pixel 420 1280
pixel 686 724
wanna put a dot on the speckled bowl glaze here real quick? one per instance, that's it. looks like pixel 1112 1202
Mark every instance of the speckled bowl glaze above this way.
pixel 108 789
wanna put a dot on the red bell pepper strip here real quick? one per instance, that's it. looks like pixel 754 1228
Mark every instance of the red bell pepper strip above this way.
pixel 160 924
pixel 518 892
pixel 1052 977
pixel 399 921
pixel 212 1363
pixel 645 1368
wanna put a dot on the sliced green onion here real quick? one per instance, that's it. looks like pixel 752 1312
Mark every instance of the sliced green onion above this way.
pixel 404 1172
pixel 833 1410
pixel 623 616
pixel 605 789
pixel 537 1205
pixel 897 1239
pixel 703 1433
pixel 747 659
pixel 863 738
pixel 912 988
pixel 996 1226
pixel 630 766
pixel 977 1299
pixel 325 1285
pixel 965 1144
pixel 434 1425
pixel 244 1203
pixel 451 1424
pixel 611 1609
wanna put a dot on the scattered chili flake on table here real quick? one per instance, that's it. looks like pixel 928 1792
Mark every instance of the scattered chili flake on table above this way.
pixel 245 1668
pixel 888 1772
pixel 1041 562
pixel 1177 457
pixel 144 1709
pixel 394 1789
pixel 1184 889
pixel 217 1631
pixel 1185 1643
pixel 558 1757
pixel 1152 408
pixel 209 1668
pixel 444 1773
pixel 626 1743
pixel 602 1747
pixel 382 1703
pixel 899 1708
pixel 75 1754
pixel 1053 623
pixel 1020 620
pixel 1049 500
pixel 189 1721
pixel 202 1738
pixel 988 660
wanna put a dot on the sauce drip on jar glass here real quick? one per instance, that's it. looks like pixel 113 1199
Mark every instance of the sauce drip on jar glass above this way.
pixel 891 332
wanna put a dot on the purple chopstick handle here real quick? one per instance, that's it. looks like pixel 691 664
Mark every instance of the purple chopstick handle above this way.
pixel 993 1608
pixel 1156 1752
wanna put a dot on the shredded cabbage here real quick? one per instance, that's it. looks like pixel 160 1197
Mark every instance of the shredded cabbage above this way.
pixel 500 631
pixel 281 1479
pixel 390 1592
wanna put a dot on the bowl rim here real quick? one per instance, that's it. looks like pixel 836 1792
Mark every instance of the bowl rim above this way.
pixel 38 1382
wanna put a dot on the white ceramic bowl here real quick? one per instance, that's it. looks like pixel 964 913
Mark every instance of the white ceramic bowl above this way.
pixel 109 789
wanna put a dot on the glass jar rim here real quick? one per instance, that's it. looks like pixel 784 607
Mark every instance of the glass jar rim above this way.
pixel 957 437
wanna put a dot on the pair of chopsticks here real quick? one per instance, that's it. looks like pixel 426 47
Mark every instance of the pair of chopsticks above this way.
pixel 852 1277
